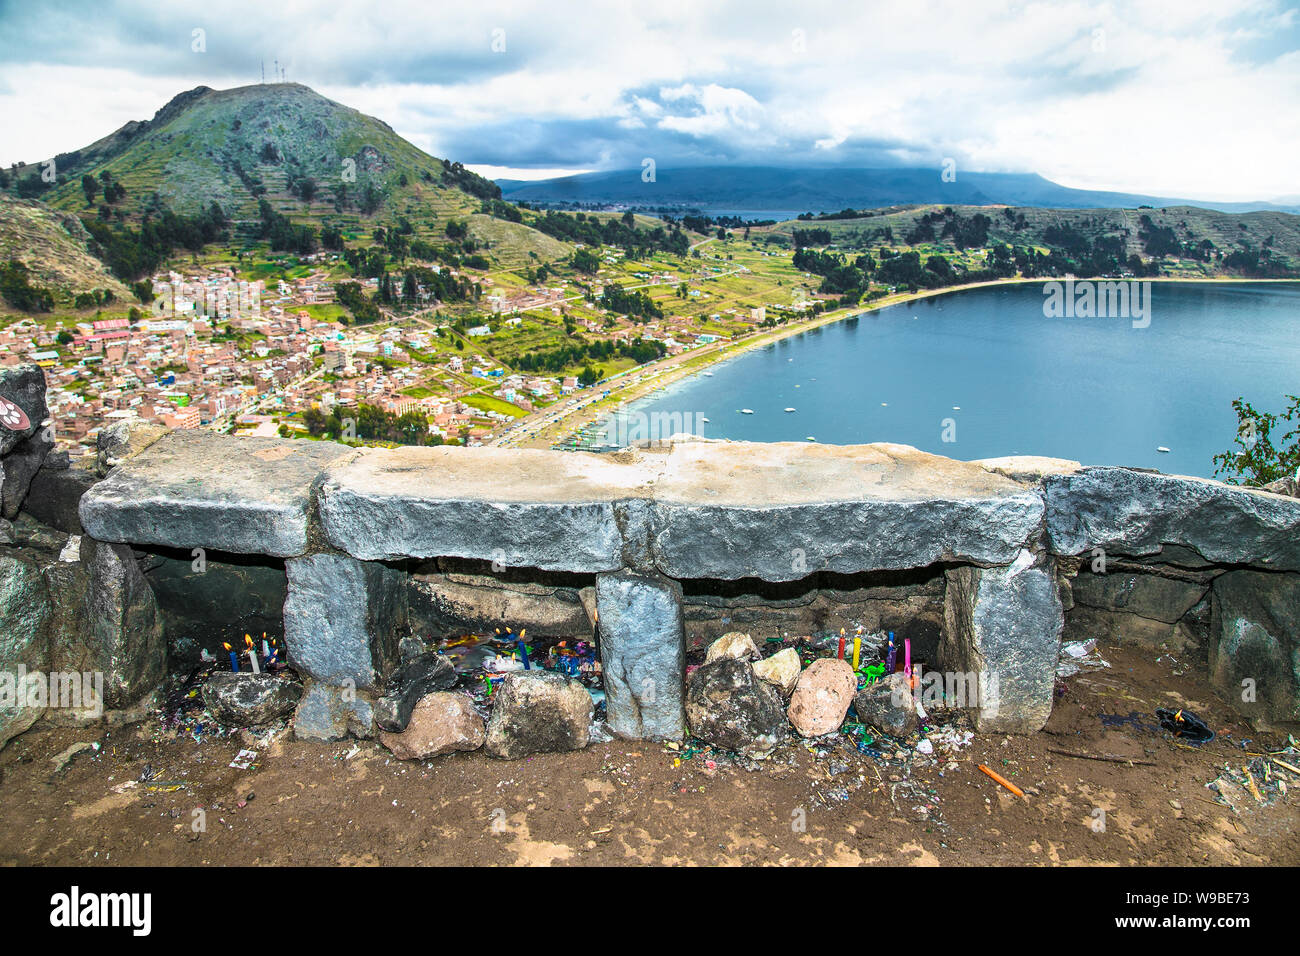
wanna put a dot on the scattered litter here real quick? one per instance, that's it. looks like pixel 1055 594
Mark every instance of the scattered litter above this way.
pixel 61 760
pixel 1003 781
pixel 1079 656
pixel 244 759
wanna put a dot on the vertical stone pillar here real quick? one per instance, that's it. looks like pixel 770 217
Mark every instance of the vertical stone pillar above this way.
pixel 642 654
pixel 344 618
pixel 1003 625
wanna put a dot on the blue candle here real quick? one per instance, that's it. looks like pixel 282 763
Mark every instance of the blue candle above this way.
pixel 234 658
pixel 892 657
pixel 523 649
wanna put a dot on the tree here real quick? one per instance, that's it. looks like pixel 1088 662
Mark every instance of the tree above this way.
pixel 1256 460
pixel 90 188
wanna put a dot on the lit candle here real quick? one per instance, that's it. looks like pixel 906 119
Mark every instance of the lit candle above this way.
pixel 252 661
pixel 891 656
pixel 857 650
pixel 523 649
pixel 841 654
pixel 234 658
pixel 266 648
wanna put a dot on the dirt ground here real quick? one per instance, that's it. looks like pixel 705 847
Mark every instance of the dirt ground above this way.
pixel 626 803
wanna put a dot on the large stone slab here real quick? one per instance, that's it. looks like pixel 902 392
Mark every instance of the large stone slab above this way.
pixel 1255 645
pixel 1151 596
pixel 344 619
pixel 193 489
pixel 1127 512
pixel 520 508
pixel 18 468
pixel 785 510
pixel 1004 625
pixel 643 655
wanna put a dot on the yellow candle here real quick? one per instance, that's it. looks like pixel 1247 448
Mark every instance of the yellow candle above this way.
pixel 857 650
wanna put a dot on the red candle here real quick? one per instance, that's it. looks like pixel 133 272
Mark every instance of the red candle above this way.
pixel 841 643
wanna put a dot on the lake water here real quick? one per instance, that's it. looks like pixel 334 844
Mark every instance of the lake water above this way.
pixel 987 369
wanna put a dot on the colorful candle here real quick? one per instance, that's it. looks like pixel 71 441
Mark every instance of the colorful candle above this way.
pixel 907 657
pixel 857 650
pixel 252 661
pixel 523 649
pixel 891 655
pixel 234 658
pixel 841 654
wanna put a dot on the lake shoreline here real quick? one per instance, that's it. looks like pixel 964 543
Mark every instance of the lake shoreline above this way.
pixel 658 375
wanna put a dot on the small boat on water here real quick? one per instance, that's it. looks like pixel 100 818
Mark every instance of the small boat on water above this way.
pixel 705 420
pixel 809 438
pixel 709 374
pixel 789 409
pixel 884 404
pixel 1163 450
pixel 746 411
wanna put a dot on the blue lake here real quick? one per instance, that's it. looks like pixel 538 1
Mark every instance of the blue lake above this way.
pixel 1096 390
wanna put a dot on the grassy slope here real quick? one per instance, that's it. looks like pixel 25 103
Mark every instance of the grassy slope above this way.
pixel 54 247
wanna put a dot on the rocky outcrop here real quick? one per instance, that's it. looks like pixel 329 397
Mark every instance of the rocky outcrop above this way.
pixel 414 680
pixel 440 723
pixel 538 712
pixel 18 468
pixel 122 441
pixel 326 713
pixel 643 654
pixel 727 705
pixel 55 496
pixel 822 697
pixel 250 700
pixel 23 388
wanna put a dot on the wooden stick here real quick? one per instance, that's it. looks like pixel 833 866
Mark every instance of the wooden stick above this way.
pixel 1107 759
pixel 1283 763
pixel 1002 780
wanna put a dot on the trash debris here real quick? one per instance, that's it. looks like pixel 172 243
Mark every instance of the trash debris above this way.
pixel 1185 725
pixel 1079 656
pixel 244 759
pixel 1003 781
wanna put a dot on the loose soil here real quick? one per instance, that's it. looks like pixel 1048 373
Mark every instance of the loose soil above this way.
pixel 620 802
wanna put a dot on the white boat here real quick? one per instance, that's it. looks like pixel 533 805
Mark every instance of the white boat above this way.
pixel 809 438
pixel 705 420
pixel 1163 450
pixel 956 408
pixel 789 409
pixel 746 411
pixel 884 404
pixel 709 374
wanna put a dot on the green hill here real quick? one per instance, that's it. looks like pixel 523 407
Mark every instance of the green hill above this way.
pixel 314 160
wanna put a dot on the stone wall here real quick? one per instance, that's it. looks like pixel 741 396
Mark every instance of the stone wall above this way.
pixel 346 552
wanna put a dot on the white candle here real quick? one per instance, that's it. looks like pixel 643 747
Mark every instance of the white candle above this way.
pixel 252 660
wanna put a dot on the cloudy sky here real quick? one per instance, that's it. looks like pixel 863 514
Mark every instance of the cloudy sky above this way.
pixel 1194 98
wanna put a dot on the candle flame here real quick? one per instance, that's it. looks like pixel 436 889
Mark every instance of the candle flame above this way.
pixel 225 645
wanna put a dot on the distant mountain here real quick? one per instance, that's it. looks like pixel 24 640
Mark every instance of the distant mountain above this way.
pixel 314 159
pixel 814 189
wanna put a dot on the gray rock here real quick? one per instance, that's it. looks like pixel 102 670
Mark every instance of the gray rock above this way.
pixel 729 706
pixel 327 713
pixel 440 724
pixel 7 534
pixel 476 603
pixel 1255 645
pixel 24 644
pixel 1006 622
pixel 643 655
pixel 124 625
pixel 197 490
pixel 344 619
pixel 55 495
pixel 520 508
pixel 24 385
pixel 785 510
pixel 249 700
pixel 1146 595
pixel 414 680
pixel 18 469
pixel 124 440
pixel 887 705
pixel 1284 486
pixel 71 643
pixel 538 712
pixel 1126 512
